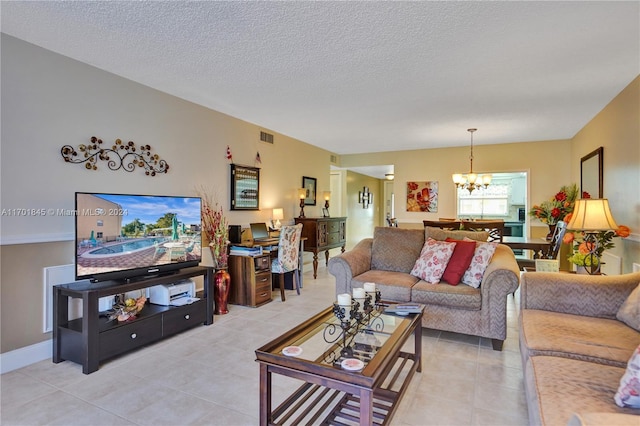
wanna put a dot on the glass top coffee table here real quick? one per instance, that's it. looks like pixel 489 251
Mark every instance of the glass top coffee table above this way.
pixel 352 377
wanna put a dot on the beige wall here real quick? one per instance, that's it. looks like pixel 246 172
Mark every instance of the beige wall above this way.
pixel 361 221
pixel 550 165
pixel 49 101
pixel 617 129
pixel 546 163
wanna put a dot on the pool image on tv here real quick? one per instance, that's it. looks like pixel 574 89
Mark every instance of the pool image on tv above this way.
pixel 120 235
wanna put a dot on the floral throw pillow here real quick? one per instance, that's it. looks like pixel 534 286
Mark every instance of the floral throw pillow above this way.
pixel 628 394
pixel 433 260
pixel 479 262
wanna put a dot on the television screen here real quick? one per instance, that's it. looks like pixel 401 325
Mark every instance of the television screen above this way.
pixel 124 236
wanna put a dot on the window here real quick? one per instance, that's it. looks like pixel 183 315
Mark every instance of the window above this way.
pixel 491 201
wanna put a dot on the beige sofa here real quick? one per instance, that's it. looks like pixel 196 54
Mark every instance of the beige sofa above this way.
pixel 387 260
pixel 574 350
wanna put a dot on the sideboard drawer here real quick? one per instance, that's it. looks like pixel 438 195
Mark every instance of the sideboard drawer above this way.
pixel 136 333
pixel 181 318
pixel 334 226
pixel 333 238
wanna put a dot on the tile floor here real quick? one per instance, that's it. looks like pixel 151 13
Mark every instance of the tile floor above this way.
pixel 208 376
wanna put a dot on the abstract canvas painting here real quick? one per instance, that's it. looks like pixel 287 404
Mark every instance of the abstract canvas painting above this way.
pixel 422 196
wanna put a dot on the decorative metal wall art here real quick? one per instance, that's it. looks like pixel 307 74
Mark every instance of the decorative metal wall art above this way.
pixel 120 155
pixel 365 197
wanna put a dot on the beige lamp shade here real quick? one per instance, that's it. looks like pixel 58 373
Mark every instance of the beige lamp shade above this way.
pixel 592 214
pixel 278 214
pixel 302 193
pixel 326 195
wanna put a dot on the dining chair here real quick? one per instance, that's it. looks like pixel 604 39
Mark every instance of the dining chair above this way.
pixel 452 225
pixel 552 253
pixel 495 228
pixel 288 255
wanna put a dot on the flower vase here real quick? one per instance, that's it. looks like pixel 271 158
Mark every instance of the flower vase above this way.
pixel 552 229
pixel 586 270
pixel 221 286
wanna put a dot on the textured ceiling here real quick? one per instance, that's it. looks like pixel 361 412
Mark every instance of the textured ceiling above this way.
pixel 355 77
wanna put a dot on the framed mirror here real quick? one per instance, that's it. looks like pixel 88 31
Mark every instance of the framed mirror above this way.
pixel 591 174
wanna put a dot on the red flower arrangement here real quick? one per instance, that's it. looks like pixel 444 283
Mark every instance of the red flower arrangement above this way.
pixel 555 210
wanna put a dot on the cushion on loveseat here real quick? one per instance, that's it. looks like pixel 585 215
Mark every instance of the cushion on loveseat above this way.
pixel 460 296
pixel 396 249
pixel 394 286
pixel 559 387
pixel 442 234
pixel 599 340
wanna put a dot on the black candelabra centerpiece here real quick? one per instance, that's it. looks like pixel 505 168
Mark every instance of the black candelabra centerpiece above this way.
pixel 354 319
pixel 120 155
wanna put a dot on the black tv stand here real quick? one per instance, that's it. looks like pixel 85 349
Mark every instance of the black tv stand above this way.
pixel 150 276
pixel 94 338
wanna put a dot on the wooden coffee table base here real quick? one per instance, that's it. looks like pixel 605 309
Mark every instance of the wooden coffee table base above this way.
pixel 337 402
pixel 329 400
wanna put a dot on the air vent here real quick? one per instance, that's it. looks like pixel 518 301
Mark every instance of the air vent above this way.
pixel 266 137
pixel 333 159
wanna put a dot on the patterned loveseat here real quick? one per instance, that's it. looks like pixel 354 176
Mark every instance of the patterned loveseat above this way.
pixel 574 349
pixel 388 258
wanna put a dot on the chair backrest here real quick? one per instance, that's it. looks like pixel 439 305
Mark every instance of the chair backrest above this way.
pixel 289 246
pixel 442 224
pixel 392 221
pixel 494 227
pixel 556 240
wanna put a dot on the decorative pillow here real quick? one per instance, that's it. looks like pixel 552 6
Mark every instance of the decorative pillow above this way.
pixel 396 249
pixel 441 234
pixel 460 260
pixel 433 260
pixel 481 258
pixel 629 312
pixel 628 394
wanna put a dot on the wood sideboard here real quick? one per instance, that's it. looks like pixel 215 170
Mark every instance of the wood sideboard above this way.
pixel 322 234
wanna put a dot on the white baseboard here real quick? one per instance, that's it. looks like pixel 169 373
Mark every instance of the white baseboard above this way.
pixel 28 355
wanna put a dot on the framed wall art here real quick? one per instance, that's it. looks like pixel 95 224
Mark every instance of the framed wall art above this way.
pixel 309 184
pixel 245 187
pixel 422 197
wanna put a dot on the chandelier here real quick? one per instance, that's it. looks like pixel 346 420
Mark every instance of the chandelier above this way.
pixel 471 180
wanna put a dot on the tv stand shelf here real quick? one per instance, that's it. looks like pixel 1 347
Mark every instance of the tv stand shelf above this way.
pixel 93 338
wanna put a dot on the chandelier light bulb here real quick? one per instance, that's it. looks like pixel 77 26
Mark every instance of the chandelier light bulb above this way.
pixel 468 181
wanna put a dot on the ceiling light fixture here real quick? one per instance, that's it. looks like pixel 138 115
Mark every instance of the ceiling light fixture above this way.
pixel 388 176
pixel 471 180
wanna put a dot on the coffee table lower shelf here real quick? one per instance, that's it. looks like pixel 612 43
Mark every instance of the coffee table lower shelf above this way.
pixel 330 403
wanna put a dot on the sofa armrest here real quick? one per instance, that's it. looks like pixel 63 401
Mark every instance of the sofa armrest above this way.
pixel 350 264
pixel 505 264
pixel 500 279
pixel 590 295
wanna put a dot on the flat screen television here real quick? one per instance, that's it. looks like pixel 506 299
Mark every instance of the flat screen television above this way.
pixel 125 236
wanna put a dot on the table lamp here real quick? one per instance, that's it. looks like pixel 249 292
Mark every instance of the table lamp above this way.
pixel 277 214
pixel 302 194
pixel 592 215
pixel 326 195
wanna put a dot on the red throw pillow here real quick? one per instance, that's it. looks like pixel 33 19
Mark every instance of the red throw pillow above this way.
pixel 459 262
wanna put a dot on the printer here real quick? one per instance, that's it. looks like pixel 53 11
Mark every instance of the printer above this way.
pixel 177 293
